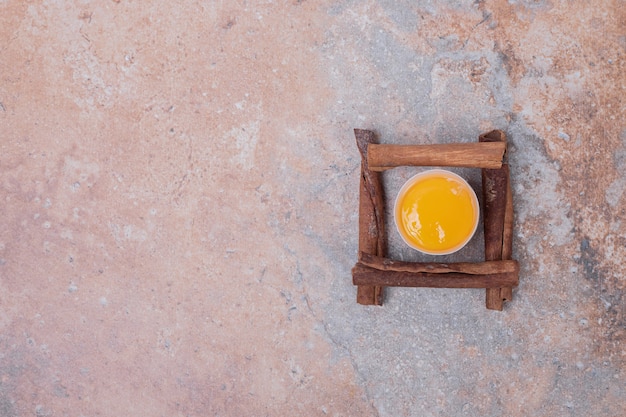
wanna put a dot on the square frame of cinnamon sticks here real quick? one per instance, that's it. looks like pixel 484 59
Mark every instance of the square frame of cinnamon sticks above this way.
pixel 498 274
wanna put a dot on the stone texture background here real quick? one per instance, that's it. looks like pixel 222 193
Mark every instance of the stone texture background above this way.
pixel 179 182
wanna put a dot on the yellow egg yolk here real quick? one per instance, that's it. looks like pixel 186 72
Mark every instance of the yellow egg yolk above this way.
pixel 437 213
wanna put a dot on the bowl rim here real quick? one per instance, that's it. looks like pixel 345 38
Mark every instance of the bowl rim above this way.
pixel 414 179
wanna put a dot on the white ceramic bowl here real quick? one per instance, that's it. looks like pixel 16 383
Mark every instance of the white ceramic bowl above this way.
pixel 415 180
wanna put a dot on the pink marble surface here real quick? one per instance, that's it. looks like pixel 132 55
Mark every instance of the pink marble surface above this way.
pixel 179 187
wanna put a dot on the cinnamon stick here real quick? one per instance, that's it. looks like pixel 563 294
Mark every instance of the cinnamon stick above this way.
pixel 471 155
pixel 468 268
pixel 498 219
pixel 506 293
pixel 366 275
pixel 371 216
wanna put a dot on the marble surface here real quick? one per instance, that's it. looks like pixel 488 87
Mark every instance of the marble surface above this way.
pixel 178 217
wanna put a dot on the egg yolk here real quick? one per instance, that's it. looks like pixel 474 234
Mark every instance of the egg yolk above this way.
pixel 437 214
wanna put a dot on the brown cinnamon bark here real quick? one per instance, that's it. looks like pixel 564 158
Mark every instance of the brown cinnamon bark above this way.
pixel 468 268
pixel 471 155
pixel 506 293
pixel 371 217
pixel 365 275
pixel 498 219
